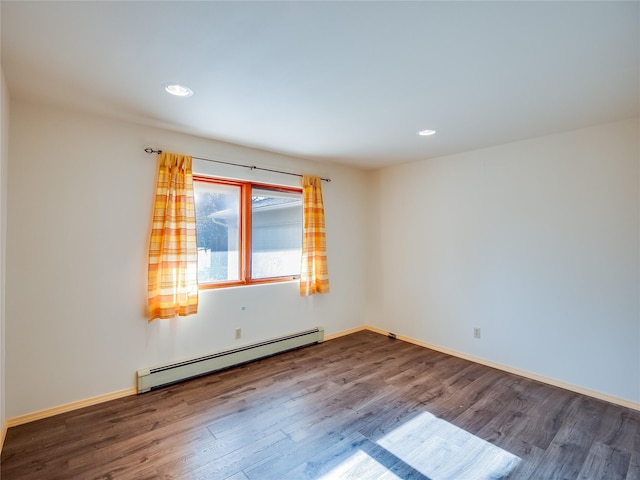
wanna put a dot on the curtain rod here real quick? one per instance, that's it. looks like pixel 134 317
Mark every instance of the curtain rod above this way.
pixel 252 167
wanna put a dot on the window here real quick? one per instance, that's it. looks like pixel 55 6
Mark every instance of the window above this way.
pixel 247 232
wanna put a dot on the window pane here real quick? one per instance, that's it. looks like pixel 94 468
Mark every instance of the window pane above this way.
pixel 276 233
pixel 218 230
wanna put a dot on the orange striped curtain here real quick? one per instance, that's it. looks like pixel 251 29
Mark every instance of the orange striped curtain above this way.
pixel 314 274
pixel 173 252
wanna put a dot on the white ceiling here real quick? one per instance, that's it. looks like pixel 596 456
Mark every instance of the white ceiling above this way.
pixel 349 82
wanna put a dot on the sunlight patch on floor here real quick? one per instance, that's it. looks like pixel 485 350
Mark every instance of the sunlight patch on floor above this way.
pixel 360 465
pixel 442 451
pixel 435 448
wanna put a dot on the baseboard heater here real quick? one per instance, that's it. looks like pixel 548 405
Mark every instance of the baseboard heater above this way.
pixel 150 378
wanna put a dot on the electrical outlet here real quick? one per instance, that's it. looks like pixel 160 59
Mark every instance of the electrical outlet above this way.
pixel 476 332
pixel 238 333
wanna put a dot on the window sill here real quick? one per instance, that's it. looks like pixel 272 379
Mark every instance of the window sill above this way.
pixel 216 286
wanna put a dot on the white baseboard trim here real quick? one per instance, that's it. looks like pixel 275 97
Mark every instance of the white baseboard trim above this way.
pixel 49 412
pixel 3 435
pixel 346 332
pixel 68 407
pixel 523 373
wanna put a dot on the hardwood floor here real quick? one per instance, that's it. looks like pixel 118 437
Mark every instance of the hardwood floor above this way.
pixel 361 406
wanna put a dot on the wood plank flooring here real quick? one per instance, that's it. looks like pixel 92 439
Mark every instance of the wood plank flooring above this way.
pixel 361 406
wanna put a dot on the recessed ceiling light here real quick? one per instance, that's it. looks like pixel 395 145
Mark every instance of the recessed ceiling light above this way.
pixel 426 133
pixel 177 89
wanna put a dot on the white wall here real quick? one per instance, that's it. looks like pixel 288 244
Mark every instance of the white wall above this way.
pixel 4 159
pixel 80 199
pixel 535 242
